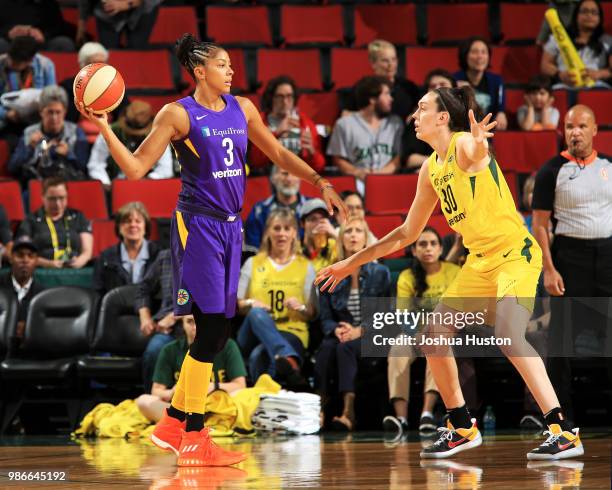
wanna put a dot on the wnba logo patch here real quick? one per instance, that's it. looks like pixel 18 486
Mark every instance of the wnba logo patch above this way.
pixel 182 297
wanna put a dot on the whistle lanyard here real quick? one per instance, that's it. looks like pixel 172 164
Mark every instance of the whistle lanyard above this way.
pixel 58 253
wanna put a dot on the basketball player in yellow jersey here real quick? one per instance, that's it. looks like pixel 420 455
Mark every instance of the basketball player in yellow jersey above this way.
pixel 504 263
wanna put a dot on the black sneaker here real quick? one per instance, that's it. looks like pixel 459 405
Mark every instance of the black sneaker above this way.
pixel 560 444
pixel 453 441
pixel 427 425
pixel 394 428
pixel 532 423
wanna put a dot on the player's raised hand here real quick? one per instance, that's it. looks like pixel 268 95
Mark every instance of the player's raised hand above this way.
pixel 333 274
pixel 481 130
pixel 333 200
pixel 100 120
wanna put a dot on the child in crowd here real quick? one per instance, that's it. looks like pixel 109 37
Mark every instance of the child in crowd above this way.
pixel 538 113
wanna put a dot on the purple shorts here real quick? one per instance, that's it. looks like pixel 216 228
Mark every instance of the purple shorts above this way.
pixel 206 255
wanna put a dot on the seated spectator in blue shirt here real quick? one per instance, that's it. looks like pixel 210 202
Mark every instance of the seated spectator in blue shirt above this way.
pixel 22 68
pixel 474 60
pixel 52 147
pixel 129 260
pixel 286 193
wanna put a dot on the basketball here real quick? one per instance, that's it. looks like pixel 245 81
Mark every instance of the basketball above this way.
pixel 99 86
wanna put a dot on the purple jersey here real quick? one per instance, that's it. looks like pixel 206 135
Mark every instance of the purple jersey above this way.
pixel 213 156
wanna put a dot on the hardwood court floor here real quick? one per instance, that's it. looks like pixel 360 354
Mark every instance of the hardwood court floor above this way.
pixel 359 461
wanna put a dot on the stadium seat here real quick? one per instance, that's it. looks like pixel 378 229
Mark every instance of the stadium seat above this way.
pixel 117 332
pixel 394 23
pixel 607 9
pixel 322 107
pixel 144 70
pixel 8 320
pixel 304 65
pixel 257 189
pixel 341 183
pixel 4 158
pixel 381 225
pixel 600 101
pixel 524 151
pixel 158 196
pixel 10 199
pixel 512 181
pixel 390 194
pixel 310 24
pixel 520 21
pixel 603 142
pixel 66 65
pixel 172 23
pixel 442 25
pixel 516 64
pixel 71 16
pixel 86 195
pixel 438 222
pixel 348 66
pixel 238 25
pixel 420 61
pixel 103 235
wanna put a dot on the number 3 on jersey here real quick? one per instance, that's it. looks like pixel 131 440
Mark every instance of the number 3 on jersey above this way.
pixel 227 142
pixel 450 204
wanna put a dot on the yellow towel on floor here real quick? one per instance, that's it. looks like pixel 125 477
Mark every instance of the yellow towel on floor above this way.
pixel 107 420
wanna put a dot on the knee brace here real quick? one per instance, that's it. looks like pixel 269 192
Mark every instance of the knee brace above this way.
pixel 212 332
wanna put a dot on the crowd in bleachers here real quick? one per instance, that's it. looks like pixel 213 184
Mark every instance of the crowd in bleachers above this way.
pixel 336 83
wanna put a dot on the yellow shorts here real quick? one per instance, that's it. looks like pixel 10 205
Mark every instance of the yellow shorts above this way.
pixel 486 278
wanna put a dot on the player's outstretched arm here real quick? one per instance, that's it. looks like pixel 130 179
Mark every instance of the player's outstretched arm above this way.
pixel 418 215
pixel 168 123
pixel 263 138
pixel 473 148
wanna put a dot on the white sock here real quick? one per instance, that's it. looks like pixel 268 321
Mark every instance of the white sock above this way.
pixel 402 419
pixel 426 413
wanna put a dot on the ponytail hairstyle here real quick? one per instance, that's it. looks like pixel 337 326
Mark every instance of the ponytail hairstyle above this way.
pixel 458 102
pixel 191 52
pixel 420 276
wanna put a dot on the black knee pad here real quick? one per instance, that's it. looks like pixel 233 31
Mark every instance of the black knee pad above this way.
pixel 212 332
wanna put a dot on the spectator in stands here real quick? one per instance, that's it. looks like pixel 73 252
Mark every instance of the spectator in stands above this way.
pixel 319 234
pixel 90 52
pixel 155 289
pixel 414 151
pixel 20 279
pixel 274 292
pixel 294 129
pixel 134 18
pixel 573 189
pixel 538 113
pixel 405 93
pixel 354 204
pixel 418 287
pixel 41 20
pixel 22 67
pixel 368 141
pixel 594 46
pixel 132 128
pixel 343 320
pixel 129 260
pixel 52 147
pixel 474 61
pixel 6 236
pixel 285 194
pixel 229 372
pixel 62 235
pixel 565 9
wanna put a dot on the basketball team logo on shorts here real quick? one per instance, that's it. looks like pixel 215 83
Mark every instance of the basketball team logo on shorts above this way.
pixel 182 297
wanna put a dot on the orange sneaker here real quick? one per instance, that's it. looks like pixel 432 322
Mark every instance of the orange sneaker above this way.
pixel 167 434
pixel 198 449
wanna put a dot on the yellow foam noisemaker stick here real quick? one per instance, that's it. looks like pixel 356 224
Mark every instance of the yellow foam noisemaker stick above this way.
pixel 568 51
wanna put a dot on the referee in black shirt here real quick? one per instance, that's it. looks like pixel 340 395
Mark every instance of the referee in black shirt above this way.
pixel 574 190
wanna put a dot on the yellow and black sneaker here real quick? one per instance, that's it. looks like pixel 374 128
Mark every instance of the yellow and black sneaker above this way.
pixel 559 444
pixel 453 441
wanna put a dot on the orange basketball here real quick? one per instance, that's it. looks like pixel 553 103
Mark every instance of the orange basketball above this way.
pixel 99 86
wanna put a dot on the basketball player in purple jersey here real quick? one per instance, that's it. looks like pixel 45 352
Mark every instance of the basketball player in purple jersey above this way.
pixel 209 132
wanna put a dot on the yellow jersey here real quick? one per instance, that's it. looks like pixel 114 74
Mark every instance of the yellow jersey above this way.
pixel 273 287
pixel 478 205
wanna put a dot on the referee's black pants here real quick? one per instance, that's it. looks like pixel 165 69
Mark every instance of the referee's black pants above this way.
pixel 580 327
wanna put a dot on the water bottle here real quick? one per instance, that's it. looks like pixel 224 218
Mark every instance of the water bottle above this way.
pixel 488 421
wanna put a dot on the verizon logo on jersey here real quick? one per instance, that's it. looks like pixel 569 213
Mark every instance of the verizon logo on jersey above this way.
pixel 224 174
